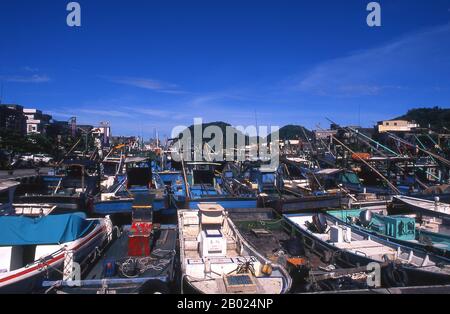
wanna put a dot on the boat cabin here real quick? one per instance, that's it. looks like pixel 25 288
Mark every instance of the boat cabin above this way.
pixel 333 178
pixel 139 173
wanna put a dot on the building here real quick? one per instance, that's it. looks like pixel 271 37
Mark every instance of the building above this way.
pixel 58 129
pixel 12 119
pixel 36 122
pixel 104 130
pixel 396 126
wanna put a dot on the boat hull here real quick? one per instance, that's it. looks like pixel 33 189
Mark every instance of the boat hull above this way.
pixel 30 279
pixel 124 206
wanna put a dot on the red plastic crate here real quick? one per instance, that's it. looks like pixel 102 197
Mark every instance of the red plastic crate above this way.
pixel 139 239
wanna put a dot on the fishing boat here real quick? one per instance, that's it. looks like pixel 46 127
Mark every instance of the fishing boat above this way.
pixel 140 260
pixel 203 185
pixel 274 239
pixel 174 183
pixel 397 228
pixel 423 207
pixel 139 179
pixel 36 249
pixel 216 259
pixel 112 171
pixel 332 178
pixel 70 188
pixel 295 192
pixel 337 241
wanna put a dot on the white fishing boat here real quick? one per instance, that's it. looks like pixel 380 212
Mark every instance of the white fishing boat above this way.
pixel 36 249
pixel 215 258
pixel 349 246
pixel 434 208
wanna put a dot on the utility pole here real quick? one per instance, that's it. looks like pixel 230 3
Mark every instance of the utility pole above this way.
pixel 257 134
pixel 1 92
pixel 359 115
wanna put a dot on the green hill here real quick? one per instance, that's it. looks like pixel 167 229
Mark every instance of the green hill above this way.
pixel 294 132
pixel 436 118
pixel 291 132
pixel 222 125
pixel 288 132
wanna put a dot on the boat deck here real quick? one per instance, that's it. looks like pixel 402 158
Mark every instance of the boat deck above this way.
pixel 209 274
pixel 159 266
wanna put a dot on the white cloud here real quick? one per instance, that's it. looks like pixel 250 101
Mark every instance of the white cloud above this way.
pixel 30 69
pixel 146 83
pixel 414 58
pixel 35 78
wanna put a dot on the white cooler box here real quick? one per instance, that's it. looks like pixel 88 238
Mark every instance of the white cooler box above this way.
pixel 212 243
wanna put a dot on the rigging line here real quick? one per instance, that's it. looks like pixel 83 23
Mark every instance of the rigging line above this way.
pixel 358 133
pixel 440 158
pixel 393 187
pixel 365 136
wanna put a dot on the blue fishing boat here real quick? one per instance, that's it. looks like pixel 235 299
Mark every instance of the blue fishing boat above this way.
pixel 139 179
pixel 205 185
pixel 70 187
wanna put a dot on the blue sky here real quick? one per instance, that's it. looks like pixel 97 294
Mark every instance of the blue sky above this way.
pixel 156 64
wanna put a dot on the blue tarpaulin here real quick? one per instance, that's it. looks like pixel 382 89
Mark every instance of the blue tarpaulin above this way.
pixel 52 229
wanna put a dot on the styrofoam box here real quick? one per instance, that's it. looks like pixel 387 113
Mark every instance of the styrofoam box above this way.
pixel 212 246
pixel 222 266
pixel 190 244
pixel 195 268
pixel 191 218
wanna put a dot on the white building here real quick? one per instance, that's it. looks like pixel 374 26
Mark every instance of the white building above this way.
pixel 36 121
pixel 104 130
pixel 396 126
